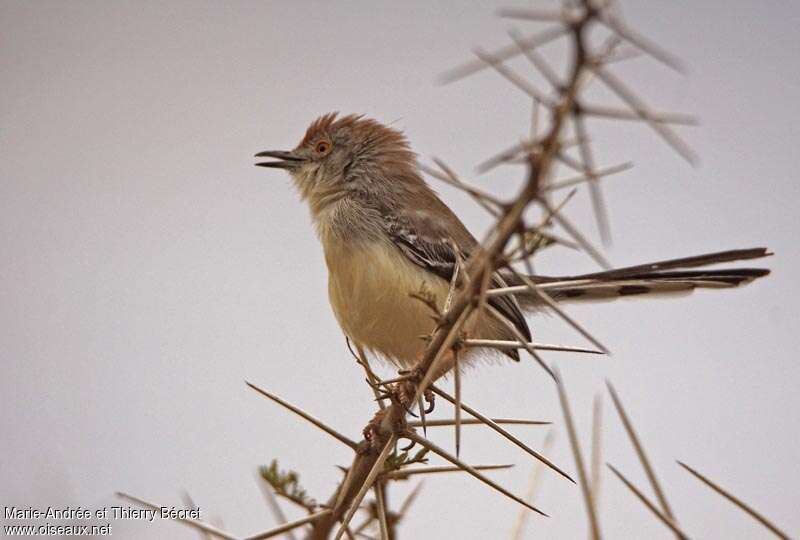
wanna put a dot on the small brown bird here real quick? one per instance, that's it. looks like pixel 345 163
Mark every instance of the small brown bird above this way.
pixel 387 235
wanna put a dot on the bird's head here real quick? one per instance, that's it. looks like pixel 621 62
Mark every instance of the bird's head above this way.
pixel 338 157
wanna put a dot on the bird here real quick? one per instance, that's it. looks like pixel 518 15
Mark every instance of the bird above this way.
pixel 387 237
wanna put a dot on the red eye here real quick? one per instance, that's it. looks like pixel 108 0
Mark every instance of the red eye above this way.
pixel 323 147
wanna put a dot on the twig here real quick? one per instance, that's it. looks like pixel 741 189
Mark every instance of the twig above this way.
pixel 380 502
pixel 489 202
pixel 537 290
pixel 660 117
pixel 421 409
pixel 597 447
pixel 194 523
pixel 738 502
pixel 504 53
pixel 533 485
pixel 372 379
pixel 563 16
pixel 502 344
pixel 641 42
pixel 368 481
pixel 599 173
pixel 403 474
pixel 521 341
pixel 600 212
pixel 187 499
pixel 513 78
pixel 457 412
pixel 639 107
pixel 588 500
pixel 273 504
pixel 665 519
pixel 406 504
pixel 288 526
pixel 501 431
pixel 329 430
pixel 642 455
pixel 468 422
pixel 536 60
pixel 578 237
pixel 469 469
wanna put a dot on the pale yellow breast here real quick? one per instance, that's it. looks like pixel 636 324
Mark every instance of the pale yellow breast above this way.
pixel 369 286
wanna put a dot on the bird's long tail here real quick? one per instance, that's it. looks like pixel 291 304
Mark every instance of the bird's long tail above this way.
pixel 660 278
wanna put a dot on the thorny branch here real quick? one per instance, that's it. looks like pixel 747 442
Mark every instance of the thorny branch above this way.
pixel 377 462
pixel 483 262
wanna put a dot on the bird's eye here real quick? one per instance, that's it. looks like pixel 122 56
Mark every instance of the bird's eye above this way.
pixel 323 147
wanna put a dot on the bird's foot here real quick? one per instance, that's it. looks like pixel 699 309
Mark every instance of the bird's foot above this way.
pixel 406 391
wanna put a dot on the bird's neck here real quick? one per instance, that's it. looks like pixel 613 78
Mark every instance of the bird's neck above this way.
pixel 345 220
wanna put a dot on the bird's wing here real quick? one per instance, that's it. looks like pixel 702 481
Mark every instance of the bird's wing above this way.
pixel 428 237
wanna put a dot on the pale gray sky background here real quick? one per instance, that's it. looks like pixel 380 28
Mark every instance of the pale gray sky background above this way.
pixel 148 268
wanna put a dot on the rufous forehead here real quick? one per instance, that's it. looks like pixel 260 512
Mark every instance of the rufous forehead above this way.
pixel 318 128
pixel 358 126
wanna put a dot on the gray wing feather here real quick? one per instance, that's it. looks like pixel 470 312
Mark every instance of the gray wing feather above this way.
pixel 428 242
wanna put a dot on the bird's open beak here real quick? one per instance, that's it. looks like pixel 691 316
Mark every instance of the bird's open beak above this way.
pixel 286 160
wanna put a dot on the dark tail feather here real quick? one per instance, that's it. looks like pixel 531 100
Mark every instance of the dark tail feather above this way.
pixel 659 278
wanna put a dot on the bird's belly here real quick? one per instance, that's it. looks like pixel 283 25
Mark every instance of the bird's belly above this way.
pixel 370 287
